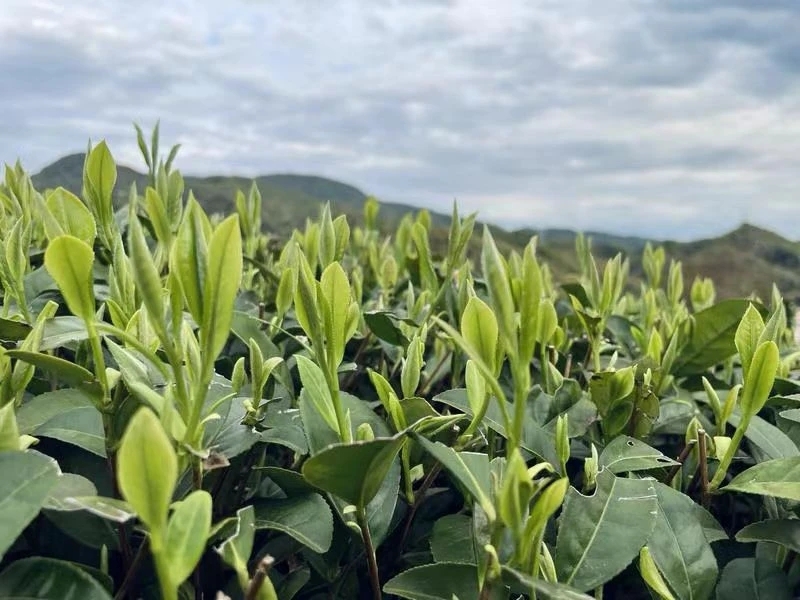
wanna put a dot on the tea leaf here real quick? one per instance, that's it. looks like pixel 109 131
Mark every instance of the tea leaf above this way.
pixel 69 262
pixel 785 532
pixel 457 465
pixel 307 518
pixel 382 324
pixel 757 387
pixel 236 549
pixel 353 472
pixel 146 275
pixel 190 256
pixel 601 534
pixel 452 540
pixel 68 372
pixel 522 584
pixel 756 577
pixel 652 575
pixel 336 289
pixel 68 415
pixel 69 485
pixel 479 328
pixel 440 581
pixel 39 578
pixel 71 215
pixel 110 509
pixel 315 388
pixel 713 336
pixel 186 535
pixel 625 453
pixel 779 478
pixel 147 469
pixel 747 335
pixel 685 559
pixel 223 276
pixel 26 481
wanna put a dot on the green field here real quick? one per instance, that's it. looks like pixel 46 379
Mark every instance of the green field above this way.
pixel 385 403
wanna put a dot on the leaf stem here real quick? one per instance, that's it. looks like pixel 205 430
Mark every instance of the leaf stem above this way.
pixel 681 459
pixel 701 442
pixel 259 577
pixel 428 383
pixel 130 573
pixel 370 551
pixel 725 463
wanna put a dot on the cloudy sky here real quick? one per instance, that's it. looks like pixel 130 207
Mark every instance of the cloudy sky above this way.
pixel 666 118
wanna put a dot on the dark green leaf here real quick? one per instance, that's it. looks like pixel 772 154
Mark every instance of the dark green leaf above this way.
pixel 451 540
pixel 713 336
pixel 13 331
pixel 353 472
pixel 440 581
pixel 535 438
pixel 111 509
pixel 26 481
pixel 625 453
pixel 68 415
pixel 600 535
pixel 382 324
pixel 684 558
pixel 771 440
pixel 227 435
pixel 47 579
pixel 63 331
pixel 785 532
pixel 779 478
pixel 521 583
pixel 306 518
pixel 753 578
pixel 470 469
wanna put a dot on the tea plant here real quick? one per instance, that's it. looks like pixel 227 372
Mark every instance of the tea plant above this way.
pixel 190 410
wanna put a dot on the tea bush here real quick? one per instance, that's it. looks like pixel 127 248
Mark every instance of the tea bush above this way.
pixel 189 410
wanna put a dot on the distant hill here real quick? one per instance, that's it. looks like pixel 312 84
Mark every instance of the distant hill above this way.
pixel 745 260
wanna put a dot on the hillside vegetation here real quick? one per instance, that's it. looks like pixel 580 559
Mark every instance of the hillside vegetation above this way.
pixel 745 261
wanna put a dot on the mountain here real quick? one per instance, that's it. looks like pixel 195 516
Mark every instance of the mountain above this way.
pixel 746 260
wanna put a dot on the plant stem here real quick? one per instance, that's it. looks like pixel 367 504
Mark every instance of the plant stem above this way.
pixel 97 357
pixel 545 362
pixel 426 483
pixel 725 463
pixel 168 591
pixel 130 573
pixel 701 440
pixel 361 348
pixel 681 459
pixel 477 418
pixel 370 551
pixel 429 379
pixel 521 381
pixel 258 578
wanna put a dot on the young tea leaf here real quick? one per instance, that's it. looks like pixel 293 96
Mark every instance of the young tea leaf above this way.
pixel 480 330
pixel 147 469
pixel 69 262
pixel 223 277
pixel 186 535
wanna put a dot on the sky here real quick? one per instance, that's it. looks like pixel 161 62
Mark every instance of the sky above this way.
pixel 669 119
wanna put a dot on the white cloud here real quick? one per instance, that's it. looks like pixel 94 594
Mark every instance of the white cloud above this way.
pixel 671 119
